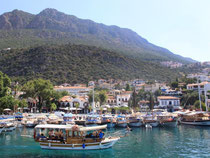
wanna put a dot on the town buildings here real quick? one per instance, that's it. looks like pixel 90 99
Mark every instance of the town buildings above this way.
pixel 74 90
pixel 169 102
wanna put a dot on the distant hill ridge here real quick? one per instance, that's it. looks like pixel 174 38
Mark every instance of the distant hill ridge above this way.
pixel 19 29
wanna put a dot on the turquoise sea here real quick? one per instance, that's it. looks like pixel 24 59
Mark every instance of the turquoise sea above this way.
pixel 181 141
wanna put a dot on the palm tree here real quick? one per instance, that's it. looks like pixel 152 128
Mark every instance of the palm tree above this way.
pixel 90 108
pixel 77 106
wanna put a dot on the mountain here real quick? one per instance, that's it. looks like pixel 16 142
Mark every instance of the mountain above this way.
pixel 19 29
pixel 77 64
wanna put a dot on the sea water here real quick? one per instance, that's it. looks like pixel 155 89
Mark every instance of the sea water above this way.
pixel 182 141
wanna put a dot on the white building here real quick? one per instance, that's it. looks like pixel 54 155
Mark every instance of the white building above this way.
pixel 152 87
pixel 91 83
pixel 74 90
pixel 123 98
pixel 201 77
pixel 169 102
pixel 204 86
pixel 69 103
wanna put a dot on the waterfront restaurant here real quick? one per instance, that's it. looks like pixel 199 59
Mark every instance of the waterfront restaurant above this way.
pixel 169 102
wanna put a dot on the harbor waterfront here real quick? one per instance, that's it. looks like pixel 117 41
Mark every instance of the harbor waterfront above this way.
pixel 180 141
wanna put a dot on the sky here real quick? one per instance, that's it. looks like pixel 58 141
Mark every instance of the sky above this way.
pixel 182 26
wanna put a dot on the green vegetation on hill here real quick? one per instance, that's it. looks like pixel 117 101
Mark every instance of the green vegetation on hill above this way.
pixel 77 63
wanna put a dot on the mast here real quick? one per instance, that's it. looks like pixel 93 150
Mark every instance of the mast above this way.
pixel 206 99
pixel 93 104
pixel 199 94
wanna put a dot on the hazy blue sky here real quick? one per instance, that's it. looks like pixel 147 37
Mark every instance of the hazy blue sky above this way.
pixel 182 26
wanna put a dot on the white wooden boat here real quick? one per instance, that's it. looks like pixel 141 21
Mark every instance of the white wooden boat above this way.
pixel 75 138
pixel 195 118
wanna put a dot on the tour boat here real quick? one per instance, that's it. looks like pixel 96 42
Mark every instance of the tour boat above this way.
pixel 195 118
pixel 134 122
pixel 73 137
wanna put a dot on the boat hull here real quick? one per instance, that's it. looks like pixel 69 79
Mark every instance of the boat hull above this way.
pixel 87 146
pixel 169 124
pixel 135 124
pixel 9 129
pixel 29 125
pixel 153 124
pixel 111 125
pixel 196 123
pixel 121 125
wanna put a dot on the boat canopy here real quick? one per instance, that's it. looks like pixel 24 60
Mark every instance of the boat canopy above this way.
pixel 70 127
pixel 92 128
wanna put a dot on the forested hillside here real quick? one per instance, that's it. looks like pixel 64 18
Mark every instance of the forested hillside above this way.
pixel 77 63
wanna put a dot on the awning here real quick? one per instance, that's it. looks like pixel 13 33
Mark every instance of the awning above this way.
pixel 69 127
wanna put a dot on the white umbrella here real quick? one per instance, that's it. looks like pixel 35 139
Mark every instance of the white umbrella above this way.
pixel 7 109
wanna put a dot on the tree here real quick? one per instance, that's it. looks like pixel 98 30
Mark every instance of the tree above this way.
pixel 151 101
pixel 90 108
pixel 6 99
pixel 134 100
pixel 90 95
pixel 197 105
pixel 109 110
pixel 22 103
pixel 53 107
pixel 101 110
pixel 5 84
pixel 128 88
pixel 39 88
pixel 102 97
pixel 7 102
pixel 174 84
pixel 190 98
pixel 76 105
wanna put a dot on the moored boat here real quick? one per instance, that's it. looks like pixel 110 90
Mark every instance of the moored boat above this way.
pixel 72 137
pixel 195 118
pixel 134 122
pixel 121 121
pixel 8 126
pixel 166 119
pixel 150 120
